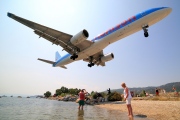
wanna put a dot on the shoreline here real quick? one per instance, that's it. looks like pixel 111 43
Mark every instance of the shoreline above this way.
pixel 158 110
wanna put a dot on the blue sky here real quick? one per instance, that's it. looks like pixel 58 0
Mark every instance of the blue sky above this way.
pixel 139 61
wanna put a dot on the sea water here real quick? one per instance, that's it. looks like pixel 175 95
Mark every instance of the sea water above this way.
pixel 13 108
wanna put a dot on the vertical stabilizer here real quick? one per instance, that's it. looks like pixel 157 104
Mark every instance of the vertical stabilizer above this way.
pixel 58 56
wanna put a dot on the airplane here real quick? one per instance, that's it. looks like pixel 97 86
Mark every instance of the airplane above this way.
pixel 79 48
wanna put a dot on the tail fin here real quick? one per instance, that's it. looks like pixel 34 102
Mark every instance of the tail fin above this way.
pixel 58 56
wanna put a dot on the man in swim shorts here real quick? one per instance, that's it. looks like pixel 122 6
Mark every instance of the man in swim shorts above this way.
pixel 82 98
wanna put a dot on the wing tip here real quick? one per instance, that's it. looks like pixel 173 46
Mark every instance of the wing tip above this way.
pixel 9 14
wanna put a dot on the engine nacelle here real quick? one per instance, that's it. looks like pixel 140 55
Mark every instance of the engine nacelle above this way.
pixel 78 38
pixel 107 57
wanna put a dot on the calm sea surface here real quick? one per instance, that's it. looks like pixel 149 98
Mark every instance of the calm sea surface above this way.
pixel 42 109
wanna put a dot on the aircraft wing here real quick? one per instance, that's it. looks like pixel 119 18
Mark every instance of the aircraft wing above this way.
pixel 54 36
pixel 96 59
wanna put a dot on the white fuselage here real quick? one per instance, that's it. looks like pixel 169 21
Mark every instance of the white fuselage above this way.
pixel 127 30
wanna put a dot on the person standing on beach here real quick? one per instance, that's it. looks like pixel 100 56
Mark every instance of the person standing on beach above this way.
pixel 127 98
pixel 157 92
pixel 82 98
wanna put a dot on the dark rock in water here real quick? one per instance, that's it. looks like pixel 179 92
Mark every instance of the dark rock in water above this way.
pixel 141 116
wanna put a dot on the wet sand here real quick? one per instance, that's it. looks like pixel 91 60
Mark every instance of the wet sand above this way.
pixel 157 110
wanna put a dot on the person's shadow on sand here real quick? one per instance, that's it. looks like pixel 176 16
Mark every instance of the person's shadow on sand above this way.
pixel 80 114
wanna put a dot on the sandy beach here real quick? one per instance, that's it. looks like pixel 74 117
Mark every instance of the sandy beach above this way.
pixel 158 110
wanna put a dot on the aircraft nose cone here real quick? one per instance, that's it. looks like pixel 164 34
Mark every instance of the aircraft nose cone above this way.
pixel 168 10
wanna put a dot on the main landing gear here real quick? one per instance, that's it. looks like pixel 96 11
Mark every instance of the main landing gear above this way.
pixel 74 56
pixel 90 62
pixel 145 30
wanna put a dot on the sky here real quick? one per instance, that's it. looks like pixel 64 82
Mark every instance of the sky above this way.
pixel 139 61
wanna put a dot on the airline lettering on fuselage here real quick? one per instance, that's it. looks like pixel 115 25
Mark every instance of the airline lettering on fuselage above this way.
pixel 130 20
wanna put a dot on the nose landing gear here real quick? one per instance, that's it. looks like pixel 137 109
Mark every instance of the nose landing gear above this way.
pixel 146 34
pixel 145 30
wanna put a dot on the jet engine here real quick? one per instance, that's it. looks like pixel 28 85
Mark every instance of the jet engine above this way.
pixel 107 57
pixel 79 37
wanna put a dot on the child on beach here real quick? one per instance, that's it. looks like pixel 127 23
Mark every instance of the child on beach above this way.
pixel 127 98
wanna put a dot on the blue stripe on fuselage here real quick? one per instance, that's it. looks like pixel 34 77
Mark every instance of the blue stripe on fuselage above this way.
pixel 127 22
pixel 61 59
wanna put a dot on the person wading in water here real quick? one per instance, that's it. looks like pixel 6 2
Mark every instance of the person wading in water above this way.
pixel 82 98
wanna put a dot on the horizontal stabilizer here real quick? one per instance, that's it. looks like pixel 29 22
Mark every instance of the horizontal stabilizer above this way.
pixel 47 61
pixel 63 67
pixel 51 62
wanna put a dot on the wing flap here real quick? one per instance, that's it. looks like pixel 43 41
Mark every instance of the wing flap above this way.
pixel 54 41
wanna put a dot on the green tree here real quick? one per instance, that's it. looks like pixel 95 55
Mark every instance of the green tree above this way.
pixel 115 96
pixel 58 92
pixel 92 93
pixel 64 89
pixel 77 91
pixel 143 93
pixel 71 91
pixel 103 94
pixel 47 94
pixel 96 94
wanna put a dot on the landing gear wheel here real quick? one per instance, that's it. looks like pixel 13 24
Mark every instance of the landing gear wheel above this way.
pixel 92 64
pixel 146 34
pixel 89 65
pixel 74 56
pixel 90 61
pixel 145 30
